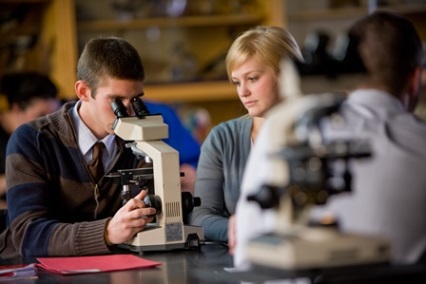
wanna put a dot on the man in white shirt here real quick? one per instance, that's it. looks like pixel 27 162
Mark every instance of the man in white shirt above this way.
pixel 389 189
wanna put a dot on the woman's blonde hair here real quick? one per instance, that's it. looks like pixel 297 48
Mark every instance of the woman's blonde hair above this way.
pixel 269 43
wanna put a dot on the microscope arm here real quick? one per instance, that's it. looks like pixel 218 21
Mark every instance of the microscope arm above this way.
pixel 167 185
pixel 147 134
pixel 301 157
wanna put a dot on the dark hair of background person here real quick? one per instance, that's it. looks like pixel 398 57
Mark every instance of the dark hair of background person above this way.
pixel 24 87
pixel 389 48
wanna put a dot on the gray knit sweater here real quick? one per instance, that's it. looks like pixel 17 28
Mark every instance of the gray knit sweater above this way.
pixel 219 174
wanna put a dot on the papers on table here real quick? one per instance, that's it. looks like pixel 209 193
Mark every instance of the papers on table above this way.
pixel 18 271
pixel 93 264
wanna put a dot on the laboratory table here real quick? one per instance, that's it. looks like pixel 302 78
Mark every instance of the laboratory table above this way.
pixel 211 263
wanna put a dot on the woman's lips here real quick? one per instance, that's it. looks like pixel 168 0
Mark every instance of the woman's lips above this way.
pixel 250 103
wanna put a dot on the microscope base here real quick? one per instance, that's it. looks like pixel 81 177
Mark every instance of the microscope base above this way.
pixel 169 237
pixel 316 248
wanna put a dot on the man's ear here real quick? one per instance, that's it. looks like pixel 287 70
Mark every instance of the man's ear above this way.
pixel 83 90
pixel 416 80
pixel 413 89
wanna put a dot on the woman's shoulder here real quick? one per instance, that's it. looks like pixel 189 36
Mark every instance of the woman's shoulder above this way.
pixel 242 122
pixel 230 131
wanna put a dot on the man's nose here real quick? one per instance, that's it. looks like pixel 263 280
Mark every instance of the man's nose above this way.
pixel 130 110
pixel 128 107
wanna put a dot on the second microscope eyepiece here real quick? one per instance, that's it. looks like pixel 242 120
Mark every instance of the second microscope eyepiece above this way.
pixel 140 108
pixel 119 108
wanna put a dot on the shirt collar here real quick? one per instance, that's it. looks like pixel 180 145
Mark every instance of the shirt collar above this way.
pixel 376 98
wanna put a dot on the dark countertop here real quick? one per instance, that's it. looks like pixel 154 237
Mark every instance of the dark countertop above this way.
pixel 208 265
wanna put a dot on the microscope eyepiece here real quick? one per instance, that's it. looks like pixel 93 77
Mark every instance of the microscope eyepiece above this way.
pixel 139 107
pixel 119 108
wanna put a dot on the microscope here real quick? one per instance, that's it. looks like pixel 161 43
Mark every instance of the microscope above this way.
pixel 168 230
pixel 315 169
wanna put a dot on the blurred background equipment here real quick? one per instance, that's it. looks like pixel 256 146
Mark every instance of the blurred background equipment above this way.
pixel 317 169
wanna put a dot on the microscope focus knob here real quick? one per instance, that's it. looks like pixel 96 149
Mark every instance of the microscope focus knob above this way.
pixel 196 201
pixel 153 201
pixel 267 197
pixel 188 204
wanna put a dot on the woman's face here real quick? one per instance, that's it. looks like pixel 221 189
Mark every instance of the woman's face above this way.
pixel 257 86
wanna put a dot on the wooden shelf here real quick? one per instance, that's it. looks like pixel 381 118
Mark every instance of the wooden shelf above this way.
pixel 192 92
pixel 190 21
pixel 405 9
pixel 19 2
pixel 353 12
pixel 328 15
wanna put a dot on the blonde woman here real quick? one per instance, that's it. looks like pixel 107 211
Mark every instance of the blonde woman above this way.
pixel 253 65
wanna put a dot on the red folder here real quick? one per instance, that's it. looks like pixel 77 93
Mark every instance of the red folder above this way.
pixel 93 264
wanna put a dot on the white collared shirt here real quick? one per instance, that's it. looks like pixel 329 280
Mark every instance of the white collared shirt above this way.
pixel 86 140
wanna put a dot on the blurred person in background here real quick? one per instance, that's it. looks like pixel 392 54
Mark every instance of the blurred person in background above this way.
pixel 29 95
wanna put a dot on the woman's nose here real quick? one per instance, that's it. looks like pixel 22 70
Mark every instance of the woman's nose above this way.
pixel 244 91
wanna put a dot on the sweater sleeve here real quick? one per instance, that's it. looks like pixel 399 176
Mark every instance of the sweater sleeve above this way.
pixel 209 186
pixel 34 227
pixel 220 169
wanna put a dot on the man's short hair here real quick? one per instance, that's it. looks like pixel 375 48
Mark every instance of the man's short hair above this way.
pixel 389 47
pixel 109 57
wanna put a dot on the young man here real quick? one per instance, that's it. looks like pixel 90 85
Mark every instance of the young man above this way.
pixel 56 205
pixel 388 191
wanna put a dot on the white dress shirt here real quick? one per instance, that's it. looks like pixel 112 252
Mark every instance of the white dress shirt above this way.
pixel 86 140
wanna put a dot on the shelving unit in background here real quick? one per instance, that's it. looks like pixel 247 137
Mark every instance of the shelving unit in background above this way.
pixel 63 26
pixel 202 36
pixel 40 35
pixel 171 89
pixel 207 37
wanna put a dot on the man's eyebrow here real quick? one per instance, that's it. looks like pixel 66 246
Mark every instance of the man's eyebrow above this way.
pixel 115 96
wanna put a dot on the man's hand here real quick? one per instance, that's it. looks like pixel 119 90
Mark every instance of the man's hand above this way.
pixel 2 185
pixel 129 220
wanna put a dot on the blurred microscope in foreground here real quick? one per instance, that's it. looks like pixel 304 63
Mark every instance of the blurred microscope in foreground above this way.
pixel 316 169
pixel 168 231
